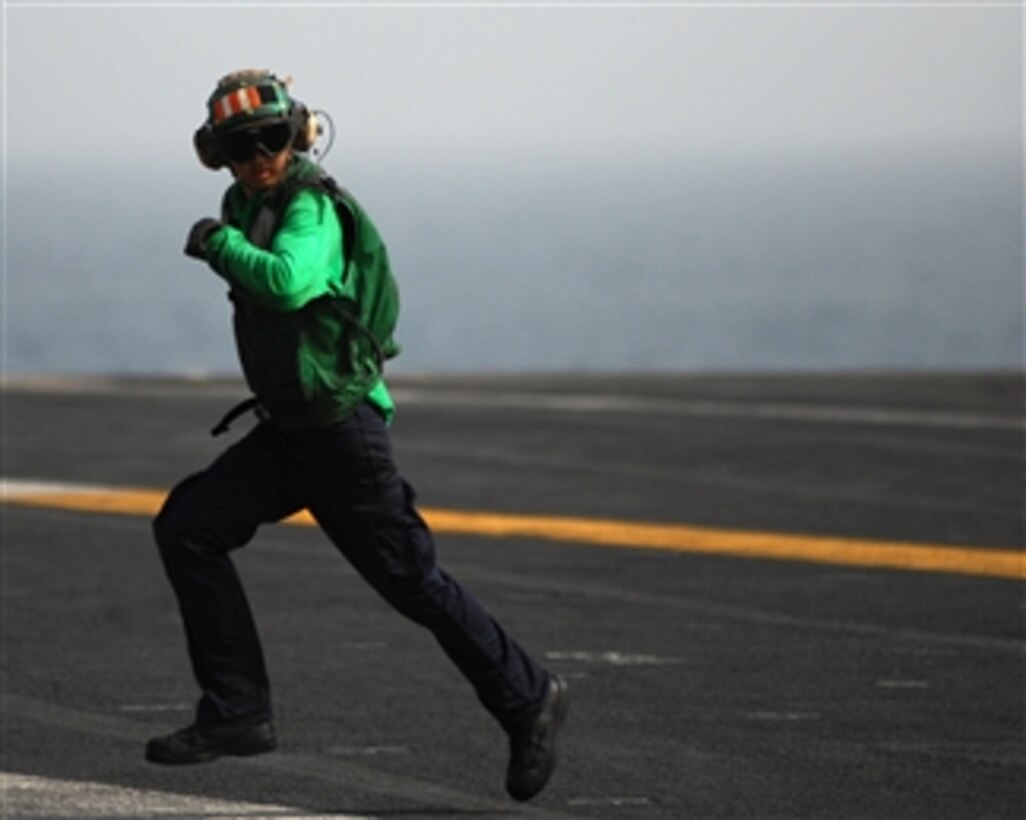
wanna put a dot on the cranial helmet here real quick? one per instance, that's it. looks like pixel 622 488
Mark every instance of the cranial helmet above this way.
pixel 245 99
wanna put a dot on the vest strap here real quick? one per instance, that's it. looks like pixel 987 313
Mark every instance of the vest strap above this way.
pixel 252 403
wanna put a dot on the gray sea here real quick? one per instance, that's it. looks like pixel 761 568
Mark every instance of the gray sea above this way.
pixel 733 263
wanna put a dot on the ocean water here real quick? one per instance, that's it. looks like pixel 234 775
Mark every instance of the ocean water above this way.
pixel 750 264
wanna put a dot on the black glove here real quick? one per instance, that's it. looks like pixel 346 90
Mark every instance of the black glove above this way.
pixel 194 245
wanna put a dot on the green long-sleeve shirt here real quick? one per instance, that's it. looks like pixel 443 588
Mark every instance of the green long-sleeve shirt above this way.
pixel 304 260
pixel 302 263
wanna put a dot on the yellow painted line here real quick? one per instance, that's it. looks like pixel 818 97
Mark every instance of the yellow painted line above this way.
pixel 738 543
pixel 962 560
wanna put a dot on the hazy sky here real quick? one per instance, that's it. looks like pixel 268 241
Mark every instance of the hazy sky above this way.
pixel 86 80
pixel 813 183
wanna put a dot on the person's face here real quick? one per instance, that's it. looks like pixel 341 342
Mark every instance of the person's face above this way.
pixel 260 172
pixel 258 156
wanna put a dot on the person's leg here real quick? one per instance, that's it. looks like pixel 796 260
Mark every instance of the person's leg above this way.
pixel 352 487
pixel 204 518
pixel 355 492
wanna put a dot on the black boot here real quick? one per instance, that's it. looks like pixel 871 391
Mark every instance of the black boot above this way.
pixel 533 750
pixel 200 744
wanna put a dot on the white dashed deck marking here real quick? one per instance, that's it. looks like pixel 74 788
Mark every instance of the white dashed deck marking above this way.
pixel 35 796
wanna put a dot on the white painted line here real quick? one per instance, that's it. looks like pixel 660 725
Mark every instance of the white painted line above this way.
pixel 155 707
pixel 610 802
pixel 612 658
pixel 903 684
pixel 367 751
pixel 713 408
pixel 35 796
pixel 784 716
pixel 408 392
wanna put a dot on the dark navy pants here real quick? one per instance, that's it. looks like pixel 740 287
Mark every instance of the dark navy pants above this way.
pixel 346 476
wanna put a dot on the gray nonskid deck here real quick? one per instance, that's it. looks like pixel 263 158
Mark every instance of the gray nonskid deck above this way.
pixel 703 686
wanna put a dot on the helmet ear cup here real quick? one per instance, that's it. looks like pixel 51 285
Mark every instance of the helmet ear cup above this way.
pixel 206 147
pixel 304 126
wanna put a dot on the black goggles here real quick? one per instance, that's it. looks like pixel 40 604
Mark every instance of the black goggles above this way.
pixel 269 140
